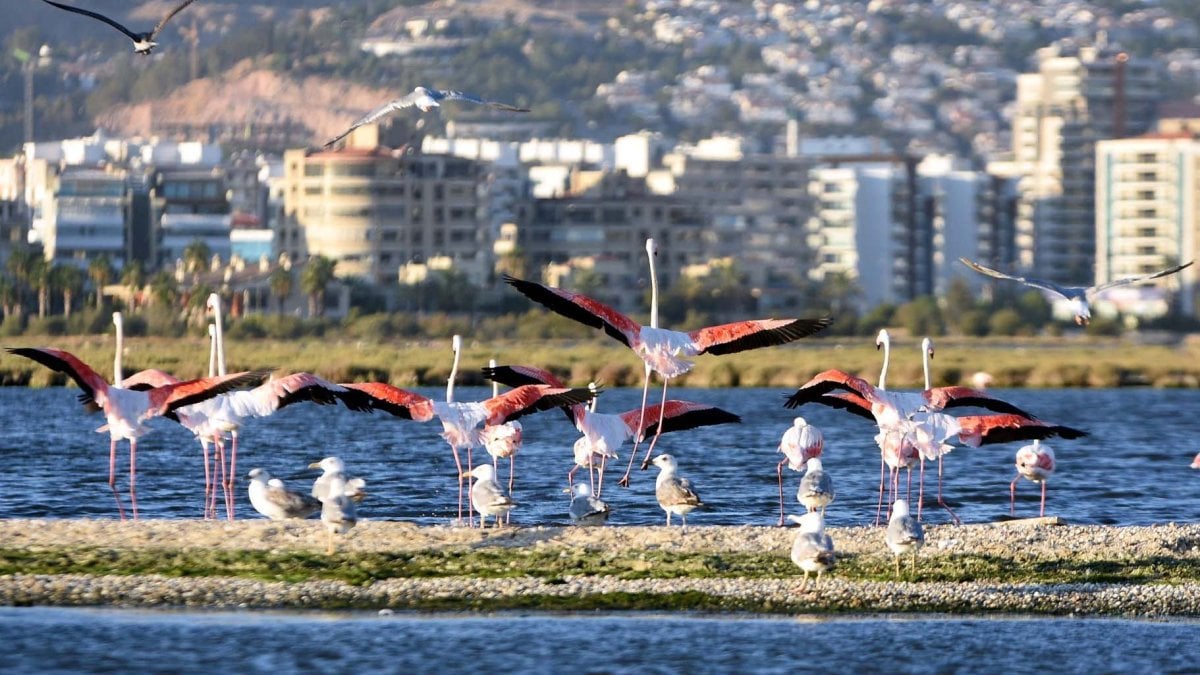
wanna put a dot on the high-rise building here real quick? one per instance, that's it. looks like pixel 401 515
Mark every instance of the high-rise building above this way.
pixel 1078 96
pixel 88 214
pixel 190 205
pixel 1148 210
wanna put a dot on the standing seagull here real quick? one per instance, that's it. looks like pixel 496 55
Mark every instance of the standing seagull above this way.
pixel 812 551
pixel 586 509
pixel 1035 462
pixel 269 497
pixel 1079 296
pixel 143 43
pixel 337 512
pixel 487 497
pixel 904 534
pixel 801 442
pixel 425 100
pixel 665 351
pixel 816 488
pixel 674 494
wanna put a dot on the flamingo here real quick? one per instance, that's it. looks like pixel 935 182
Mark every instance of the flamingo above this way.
pixel 674 494
pixel 1036 463
pixel 460 420
pixel 800 443
pixel 904 534
pixel 812 550
pixel 604 433
pixel 1079 296
pixel 1196 461
pixel 665 351
pixel 503 440
pixel 128 410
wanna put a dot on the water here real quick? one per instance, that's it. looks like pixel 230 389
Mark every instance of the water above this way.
pixel 161 641
pixel 1132 469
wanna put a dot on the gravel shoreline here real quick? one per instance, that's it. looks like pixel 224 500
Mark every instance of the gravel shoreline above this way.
pixel 1024 545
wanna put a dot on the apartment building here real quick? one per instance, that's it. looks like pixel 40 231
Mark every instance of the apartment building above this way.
pixel 190 205
pixel 88 213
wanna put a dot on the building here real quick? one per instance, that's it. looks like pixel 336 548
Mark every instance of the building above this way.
pixel 1077 97
pixel 1147 201
pixel 89 213
pixel 190 205
pixel 373 209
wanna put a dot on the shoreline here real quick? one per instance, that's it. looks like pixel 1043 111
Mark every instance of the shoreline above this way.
pixel 1142 571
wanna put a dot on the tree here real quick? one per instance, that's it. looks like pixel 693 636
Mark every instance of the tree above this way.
pixel 281 286
pixel 317 274
pixel 68 280
pixel 39 278
pixel 164 289
pixel 20 265
pixel 196 257
pixel 133 277
pixel 101 272
pixel 8 295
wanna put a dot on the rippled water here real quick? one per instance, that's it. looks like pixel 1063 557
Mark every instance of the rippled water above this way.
pixel 1133 469
pixel 75 640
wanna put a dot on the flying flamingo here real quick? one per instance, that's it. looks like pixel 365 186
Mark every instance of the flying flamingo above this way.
pixel 604 433
pixel 665 351
pixel 461 420
pixel 127 410
pixel 1035 462
pixel 1079 296
pixel 800 443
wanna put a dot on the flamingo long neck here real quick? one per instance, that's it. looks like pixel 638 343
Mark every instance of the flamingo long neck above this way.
pixel 457 346
pixel 653 292
pixel 495 384
pixel 117 375
pixel 212 350
pixel 219 326
pixel 887 355
pixel 925 364
pixel 592 388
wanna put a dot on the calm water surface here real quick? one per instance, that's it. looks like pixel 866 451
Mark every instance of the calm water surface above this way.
pixel 1132 469
pixel 81 640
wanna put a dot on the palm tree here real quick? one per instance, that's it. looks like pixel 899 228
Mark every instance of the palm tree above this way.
pixel 101 272
pixel 133 277
pixel 317 274
pixel 8 296
pixel 281 285
pixel 163 288
pixel 20 266
pixel 69 280
pixel 39 278
pixel 196 257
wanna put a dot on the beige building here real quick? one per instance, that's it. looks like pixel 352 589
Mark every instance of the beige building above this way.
pixel 1076 98
pixel 1147 196
pixel 374 209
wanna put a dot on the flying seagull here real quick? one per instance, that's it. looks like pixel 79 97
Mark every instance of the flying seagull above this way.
pixel 142 42
pixel 1078 295
pixel 425 100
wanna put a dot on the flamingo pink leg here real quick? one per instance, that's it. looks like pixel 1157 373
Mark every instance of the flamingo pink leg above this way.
pixel 637 437
pixel 779 471
pixel 112 476
pixel 133 476
pixel 879 506
pixel 207 476
pixel 1042 511
pixel 230 500
pixel 458 466
pixel 470 482
pixel 942 502
pixel 662 411
pixel 921 489
pixel 511 470
pixel 1012 496
pixel 600 480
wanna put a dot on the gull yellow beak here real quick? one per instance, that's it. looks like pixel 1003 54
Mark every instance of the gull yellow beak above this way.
pixel 314 465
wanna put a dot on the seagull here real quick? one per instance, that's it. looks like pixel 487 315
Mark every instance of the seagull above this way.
pixel 269 497
pixel 337 511
pixel 586 509
pixel 143 43
pixel 334 467
pixel 674 494
pixel 904 534
pixel 816 487
pixel 424 99
pixel 487 496
pixel 812 551
pixel 1078 295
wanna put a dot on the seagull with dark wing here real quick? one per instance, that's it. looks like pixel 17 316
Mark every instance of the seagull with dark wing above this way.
pixel 425 100
pixel 1079 296
pixel 143 43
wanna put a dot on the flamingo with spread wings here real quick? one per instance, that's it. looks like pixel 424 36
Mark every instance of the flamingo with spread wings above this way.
pixel 665 351
pixel 128 410
pixel 605 432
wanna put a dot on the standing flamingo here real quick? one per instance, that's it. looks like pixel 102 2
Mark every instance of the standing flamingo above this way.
pixel 1036 463
pixel 604 433
pixel 502 440
pixel 665 351
pixel 800 443
pixel 127 410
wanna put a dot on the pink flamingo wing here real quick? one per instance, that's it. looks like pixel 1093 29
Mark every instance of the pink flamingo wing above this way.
pixel 829 381
pixel 532 398
pixel 940 398
pixel 978 430
pixel 169 398
pixel 738 337
pixel 65 362
pixel 148 379
pixel 580 308
pixel 849 401
pixel 516 376
pixel 677 416
pixel 396 401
